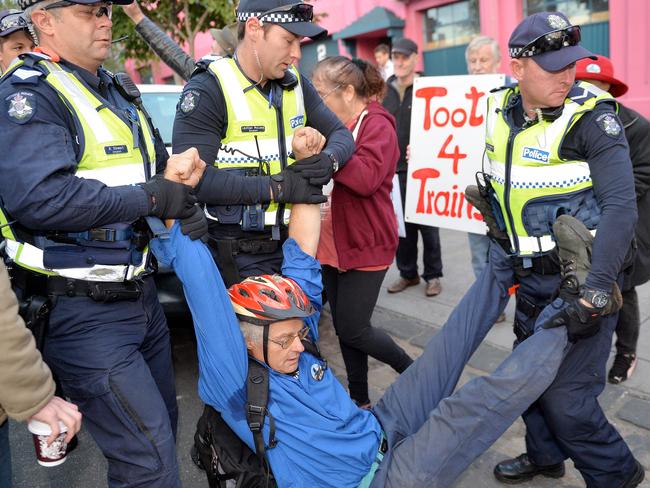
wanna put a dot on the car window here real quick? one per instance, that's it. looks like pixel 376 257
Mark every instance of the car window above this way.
pixel 162 108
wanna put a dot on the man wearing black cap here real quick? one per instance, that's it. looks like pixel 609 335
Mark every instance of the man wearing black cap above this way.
pixel 398 100
pixel 76 187
pixel 245 114
pixel 556 147
pixel 14 37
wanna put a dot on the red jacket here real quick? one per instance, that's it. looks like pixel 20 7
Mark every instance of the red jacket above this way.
pixel 363 220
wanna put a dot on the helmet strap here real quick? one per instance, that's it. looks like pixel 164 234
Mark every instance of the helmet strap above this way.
pixel 265 344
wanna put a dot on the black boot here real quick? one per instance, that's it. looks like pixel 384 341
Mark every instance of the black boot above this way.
pixel 521 469
pixel 637 476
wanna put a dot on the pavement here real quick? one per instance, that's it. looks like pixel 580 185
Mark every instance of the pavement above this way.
pixel 412 319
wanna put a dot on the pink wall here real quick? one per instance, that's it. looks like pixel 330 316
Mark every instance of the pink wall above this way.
pixel 629 41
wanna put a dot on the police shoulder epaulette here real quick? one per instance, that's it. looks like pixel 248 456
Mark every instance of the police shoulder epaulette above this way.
pixel 510 85
pixel 26 76
pixel 581 92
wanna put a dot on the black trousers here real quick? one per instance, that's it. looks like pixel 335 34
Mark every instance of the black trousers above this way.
pixel 407 250
pixel 628 325
pixel 352 296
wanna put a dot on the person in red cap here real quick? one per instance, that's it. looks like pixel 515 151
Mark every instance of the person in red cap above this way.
pixel 600 72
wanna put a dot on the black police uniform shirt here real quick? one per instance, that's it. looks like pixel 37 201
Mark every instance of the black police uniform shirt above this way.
pixel 203 123
pixel 604 147
pixel 39 157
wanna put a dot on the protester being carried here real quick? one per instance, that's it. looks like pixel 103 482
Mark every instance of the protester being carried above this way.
pixel 359 229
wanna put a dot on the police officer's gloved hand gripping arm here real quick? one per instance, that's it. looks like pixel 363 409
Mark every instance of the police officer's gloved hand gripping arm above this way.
pixel 172 196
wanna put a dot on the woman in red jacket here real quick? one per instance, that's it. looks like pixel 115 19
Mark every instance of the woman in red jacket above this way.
pixel 359 228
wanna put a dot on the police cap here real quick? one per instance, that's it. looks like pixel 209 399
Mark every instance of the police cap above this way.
pixel 296 17
pixel 28 3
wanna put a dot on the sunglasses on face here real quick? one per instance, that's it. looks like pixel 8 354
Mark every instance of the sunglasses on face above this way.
pixel 301 12
pixel 98 11
pixel 551 41
pixel 12 20
pixel 285 342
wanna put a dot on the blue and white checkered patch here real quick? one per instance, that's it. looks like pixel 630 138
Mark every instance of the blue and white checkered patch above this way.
pixel 274 18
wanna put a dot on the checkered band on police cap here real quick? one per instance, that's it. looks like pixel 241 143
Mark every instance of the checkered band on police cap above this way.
pixel 275 17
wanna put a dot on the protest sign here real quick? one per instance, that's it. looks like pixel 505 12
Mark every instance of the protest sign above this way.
pixel 447 143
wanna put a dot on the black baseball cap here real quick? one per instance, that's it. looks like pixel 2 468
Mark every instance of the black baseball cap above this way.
pixel 296 17
pixel 11 20
pixel 28 3
pixel 404 46
pixel 549 39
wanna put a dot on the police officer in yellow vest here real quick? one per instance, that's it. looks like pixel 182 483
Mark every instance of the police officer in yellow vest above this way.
pixel 557 147
pixel 244 115
pixel 78 160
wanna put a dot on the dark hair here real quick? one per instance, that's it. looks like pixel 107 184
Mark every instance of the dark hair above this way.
pixel 363 76
pixel 382 48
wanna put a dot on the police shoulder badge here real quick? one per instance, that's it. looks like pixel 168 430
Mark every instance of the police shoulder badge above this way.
pixel 20 106
pixel 556 22
pixel 609 124
pixel 189 101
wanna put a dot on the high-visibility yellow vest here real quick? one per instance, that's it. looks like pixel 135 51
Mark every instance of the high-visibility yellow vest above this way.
pixel 259 135
pixel 109 155
pixel 526 168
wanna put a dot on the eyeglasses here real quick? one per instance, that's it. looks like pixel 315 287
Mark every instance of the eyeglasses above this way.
pixel 323 97
pixel 551 41
pixel 288 340
pixel 298 12
pixel 11 20
pixel 106 8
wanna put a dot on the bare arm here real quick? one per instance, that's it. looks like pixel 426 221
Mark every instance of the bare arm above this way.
pixel 304 227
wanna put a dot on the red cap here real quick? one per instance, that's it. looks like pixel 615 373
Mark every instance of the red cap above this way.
pixel 600 69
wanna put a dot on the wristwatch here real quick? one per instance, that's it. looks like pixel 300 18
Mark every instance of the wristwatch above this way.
pixel 598 298
pixel 335 162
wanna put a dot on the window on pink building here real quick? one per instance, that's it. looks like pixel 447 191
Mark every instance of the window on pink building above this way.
pixel 451 24
pixel 578 11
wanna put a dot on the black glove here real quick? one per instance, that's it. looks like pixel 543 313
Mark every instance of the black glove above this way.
pixel 581 321
pixel 317 168
pixel 196 225
pixel 168 199
pixel 288 187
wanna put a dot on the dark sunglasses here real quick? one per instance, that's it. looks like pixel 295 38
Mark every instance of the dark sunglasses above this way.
pixel 551 41
pixel 12 20
pixel 98 10
pixel 299 12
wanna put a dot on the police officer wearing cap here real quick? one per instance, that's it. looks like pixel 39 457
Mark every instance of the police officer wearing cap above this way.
pixel 14 37
pixel 557 147
pixel 78 179
pixel 244 114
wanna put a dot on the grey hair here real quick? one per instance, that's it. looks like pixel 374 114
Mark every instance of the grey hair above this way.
pixel 253 333
pixel 481 41
pixel 28 17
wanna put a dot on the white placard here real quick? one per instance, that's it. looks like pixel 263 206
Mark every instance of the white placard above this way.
pixel 447 144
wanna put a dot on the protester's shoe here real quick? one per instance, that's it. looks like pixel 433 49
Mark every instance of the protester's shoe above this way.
pixel 622 369
pixel 574 244
pixel 522 469
pixel 637 477
pixel 401 284
pixel 433 287
pixel 501 318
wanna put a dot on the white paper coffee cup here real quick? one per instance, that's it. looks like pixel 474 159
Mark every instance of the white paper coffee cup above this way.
pixel 55 453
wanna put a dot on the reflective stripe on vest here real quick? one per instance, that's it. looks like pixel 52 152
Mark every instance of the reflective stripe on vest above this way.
pixel 253 134
pixel 110 155
pixel 537 171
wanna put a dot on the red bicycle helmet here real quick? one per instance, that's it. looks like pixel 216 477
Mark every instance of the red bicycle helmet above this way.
pixel 265 299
